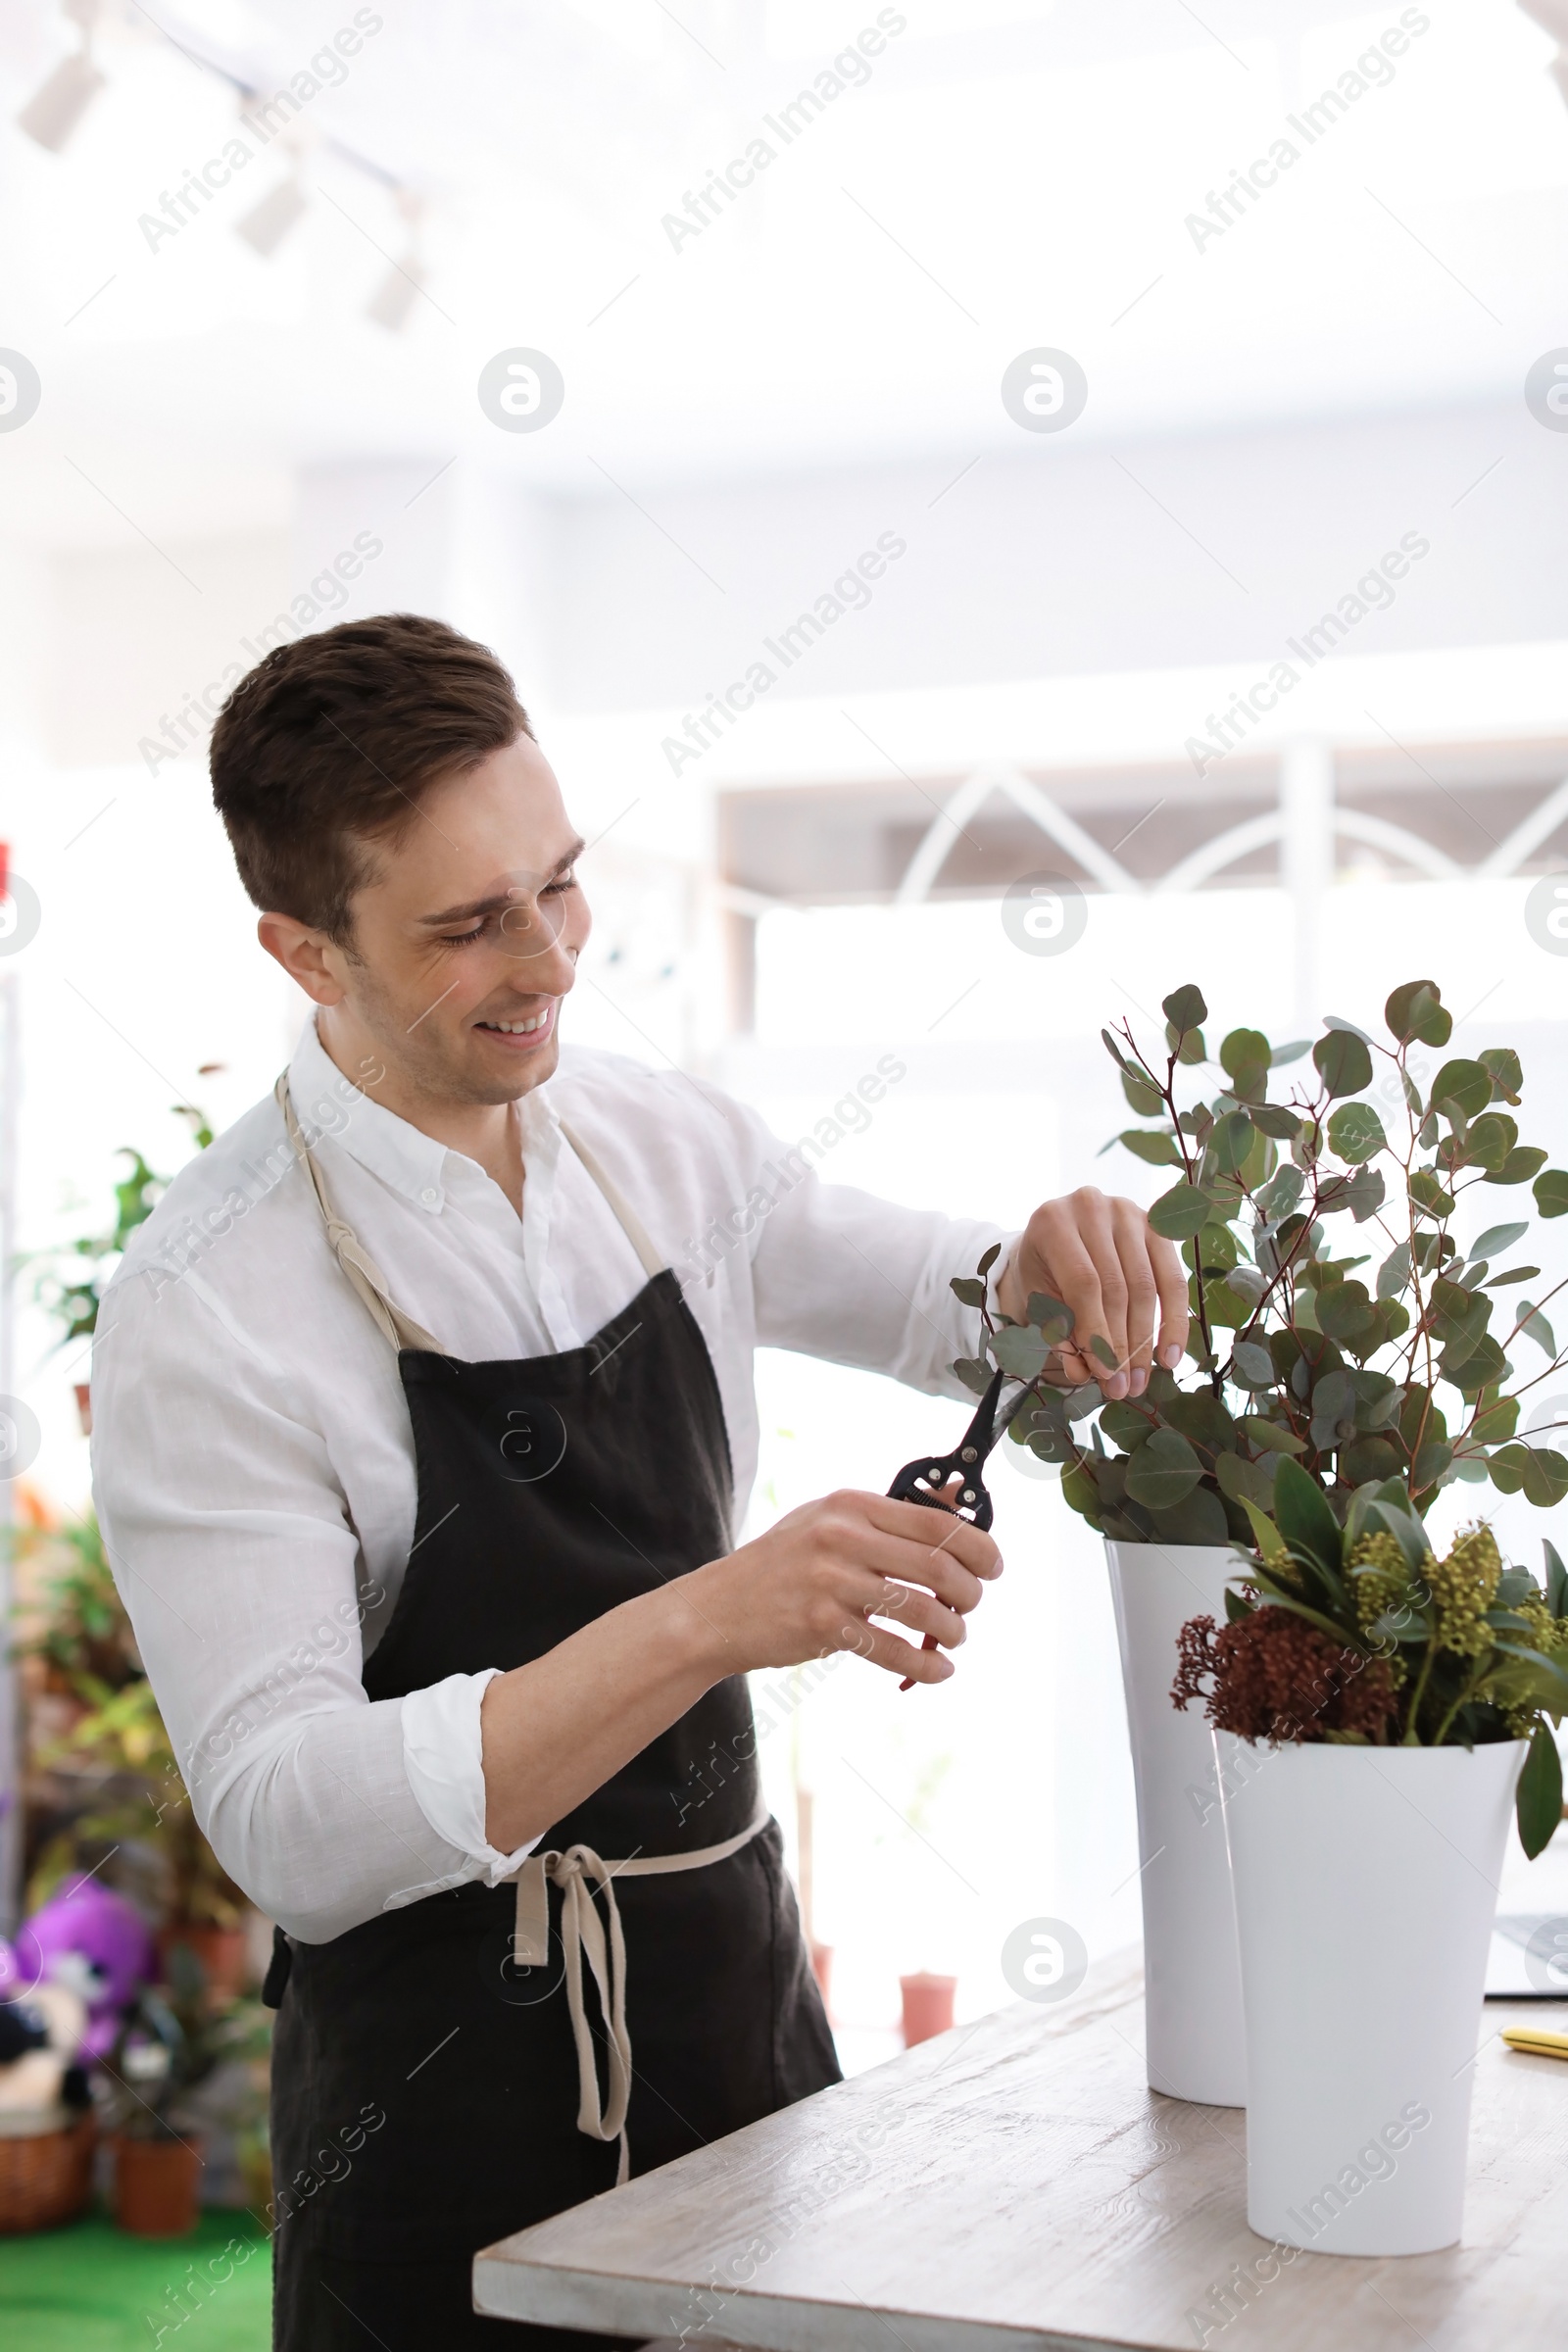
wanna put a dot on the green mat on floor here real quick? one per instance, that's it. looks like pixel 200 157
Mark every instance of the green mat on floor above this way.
pixel 92 2288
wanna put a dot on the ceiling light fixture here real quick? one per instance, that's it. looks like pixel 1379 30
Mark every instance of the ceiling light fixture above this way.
pixel 265 227
pixel 1552 16
pixel 394 298
pixel 52 114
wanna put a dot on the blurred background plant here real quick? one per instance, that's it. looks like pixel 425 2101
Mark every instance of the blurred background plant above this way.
pixel 178 2048
pixel 104 1798
pixel 103 1778
pixel 70 1277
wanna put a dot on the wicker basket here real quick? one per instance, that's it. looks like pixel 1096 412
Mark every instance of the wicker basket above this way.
pixel 47 2171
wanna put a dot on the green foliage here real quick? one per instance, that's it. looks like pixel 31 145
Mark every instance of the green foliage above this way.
pixel 1463 1651
pixel 121 1759
pixel 1342 1062
pixel 1416 1015
pixel 1164 1470
pixel 1539 1799
pixel 171 2041
pixel 1551 1193
pixel 71 1281
pixel 1355 1132
pixel 1342 1339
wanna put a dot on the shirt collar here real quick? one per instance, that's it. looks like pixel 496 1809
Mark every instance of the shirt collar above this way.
pixel 331 1106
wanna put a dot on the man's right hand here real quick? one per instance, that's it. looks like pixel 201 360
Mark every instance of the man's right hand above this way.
pixel 815 1584
pixel 557 1728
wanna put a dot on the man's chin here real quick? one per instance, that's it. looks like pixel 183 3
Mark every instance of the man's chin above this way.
pixel 489 1080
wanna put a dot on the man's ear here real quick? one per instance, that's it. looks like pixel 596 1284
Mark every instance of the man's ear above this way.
pixel 312 960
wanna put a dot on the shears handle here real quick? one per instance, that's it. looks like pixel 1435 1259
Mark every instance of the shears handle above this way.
pixel 924 1481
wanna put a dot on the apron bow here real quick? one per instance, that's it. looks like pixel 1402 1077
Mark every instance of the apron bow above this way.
pixel 578 1872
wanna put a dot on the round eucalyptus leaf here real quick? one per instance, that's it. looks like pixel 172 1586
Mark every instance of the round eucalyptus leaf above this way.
pixel 1185 1008
pixel 1183 1212
pixel 1343 1063
pixel 1020 1351
pixel 1416 1010
pixel 1155 1144
pixel 1232 1141
pixel 1355 1132
pixel 1462 1085
pixel 1551 1189
pixel 1164 1471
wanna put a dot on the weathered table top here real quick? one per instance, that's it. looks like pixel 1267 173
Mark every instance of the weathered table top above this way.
pixel 1014 2186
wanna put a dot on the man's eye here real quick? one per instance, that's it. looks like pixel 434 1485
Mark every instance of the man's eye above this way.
pixel 562 882
pixel 464 939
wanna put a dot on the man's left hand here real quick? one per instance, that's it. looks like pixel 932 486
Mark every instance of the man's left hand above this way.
pixel 1124 1284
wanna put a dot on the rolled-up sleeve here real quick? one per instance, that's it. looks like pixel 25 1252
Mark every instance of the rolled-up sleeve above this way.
pixel 233 1551
pixel 443 1750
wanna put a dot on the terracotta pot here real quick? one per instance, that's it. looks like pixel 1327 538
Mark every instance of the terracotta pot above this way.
pixel 822 1970
pixel 927 2006
pixel 221 1951
pixel 155 2187
pixel 83 1396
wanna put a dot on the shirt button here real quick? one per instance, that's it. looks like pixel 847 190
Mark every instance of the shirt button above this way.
pixel 429 1195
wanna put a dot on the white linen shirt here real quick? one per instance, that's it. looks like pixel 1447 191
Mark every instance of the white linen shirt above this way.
pixel 253 1463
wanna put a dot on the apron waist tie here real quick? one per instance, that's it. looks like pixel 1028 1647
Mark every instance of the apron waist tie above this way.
pixel 577 1873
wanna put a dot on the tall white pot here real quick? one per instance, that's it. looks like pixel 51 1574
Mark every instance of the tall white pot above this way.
pixel 1193 2041
pixel 1366 1879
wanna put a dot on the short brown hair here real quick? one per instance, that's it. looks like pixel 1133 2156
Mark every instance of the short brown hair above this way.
pixel 327 745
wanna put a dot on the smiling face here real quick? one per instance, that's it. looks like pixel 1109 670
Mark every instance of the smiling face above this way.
pixel 464 942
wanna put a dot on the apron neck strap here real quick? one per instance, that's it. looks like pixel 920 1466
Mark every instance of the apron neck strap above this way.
pixel 649 1258
pixel 400 1330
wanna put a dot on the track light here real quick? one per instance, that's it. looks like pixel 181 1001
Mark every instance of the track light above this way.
pixel 394 298
pixel 53 112
pixel 1552 16
pixel 265 226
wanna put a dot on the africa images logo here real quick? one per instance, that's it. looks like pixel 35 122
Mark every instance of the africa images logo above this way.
pixel 20 391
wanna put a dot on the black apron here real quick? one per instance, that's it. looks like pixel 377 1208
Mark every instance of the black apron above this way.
pixel 429 2094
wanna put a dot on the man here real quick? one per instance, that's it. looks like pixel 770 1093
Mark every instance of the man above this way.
pixel 419 1473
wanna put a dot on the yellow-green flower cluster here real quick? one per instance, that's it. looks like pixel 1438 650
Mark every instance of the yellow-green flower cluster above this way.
pixel 1544 1629
pixel 1463 1586
pixel 1382 1579
pixel 1545 1633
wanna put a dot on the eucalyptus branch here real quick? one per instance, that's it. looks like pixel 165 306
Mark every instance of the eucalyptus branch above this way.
pixel 1167 1095
pixel 1350 1396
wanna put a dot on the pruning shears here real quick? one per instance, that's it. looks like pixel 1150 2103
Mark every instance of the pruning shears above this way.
pixel 928 1478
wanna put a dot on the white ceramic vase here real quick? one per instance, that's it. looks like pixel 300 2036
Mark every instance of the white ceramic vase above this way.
pixel 1195 2047
pixel 1366 1879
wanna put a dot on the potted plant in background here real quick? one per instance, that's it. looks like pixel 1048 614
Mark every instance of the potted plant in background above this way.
pixel 105 1773
pixel 169 2052
pixel 1397 1377
pixel 72 1278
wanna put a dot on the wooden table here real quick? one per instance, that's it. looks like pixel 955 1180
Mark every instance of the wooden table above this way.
pixel 1014 2186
